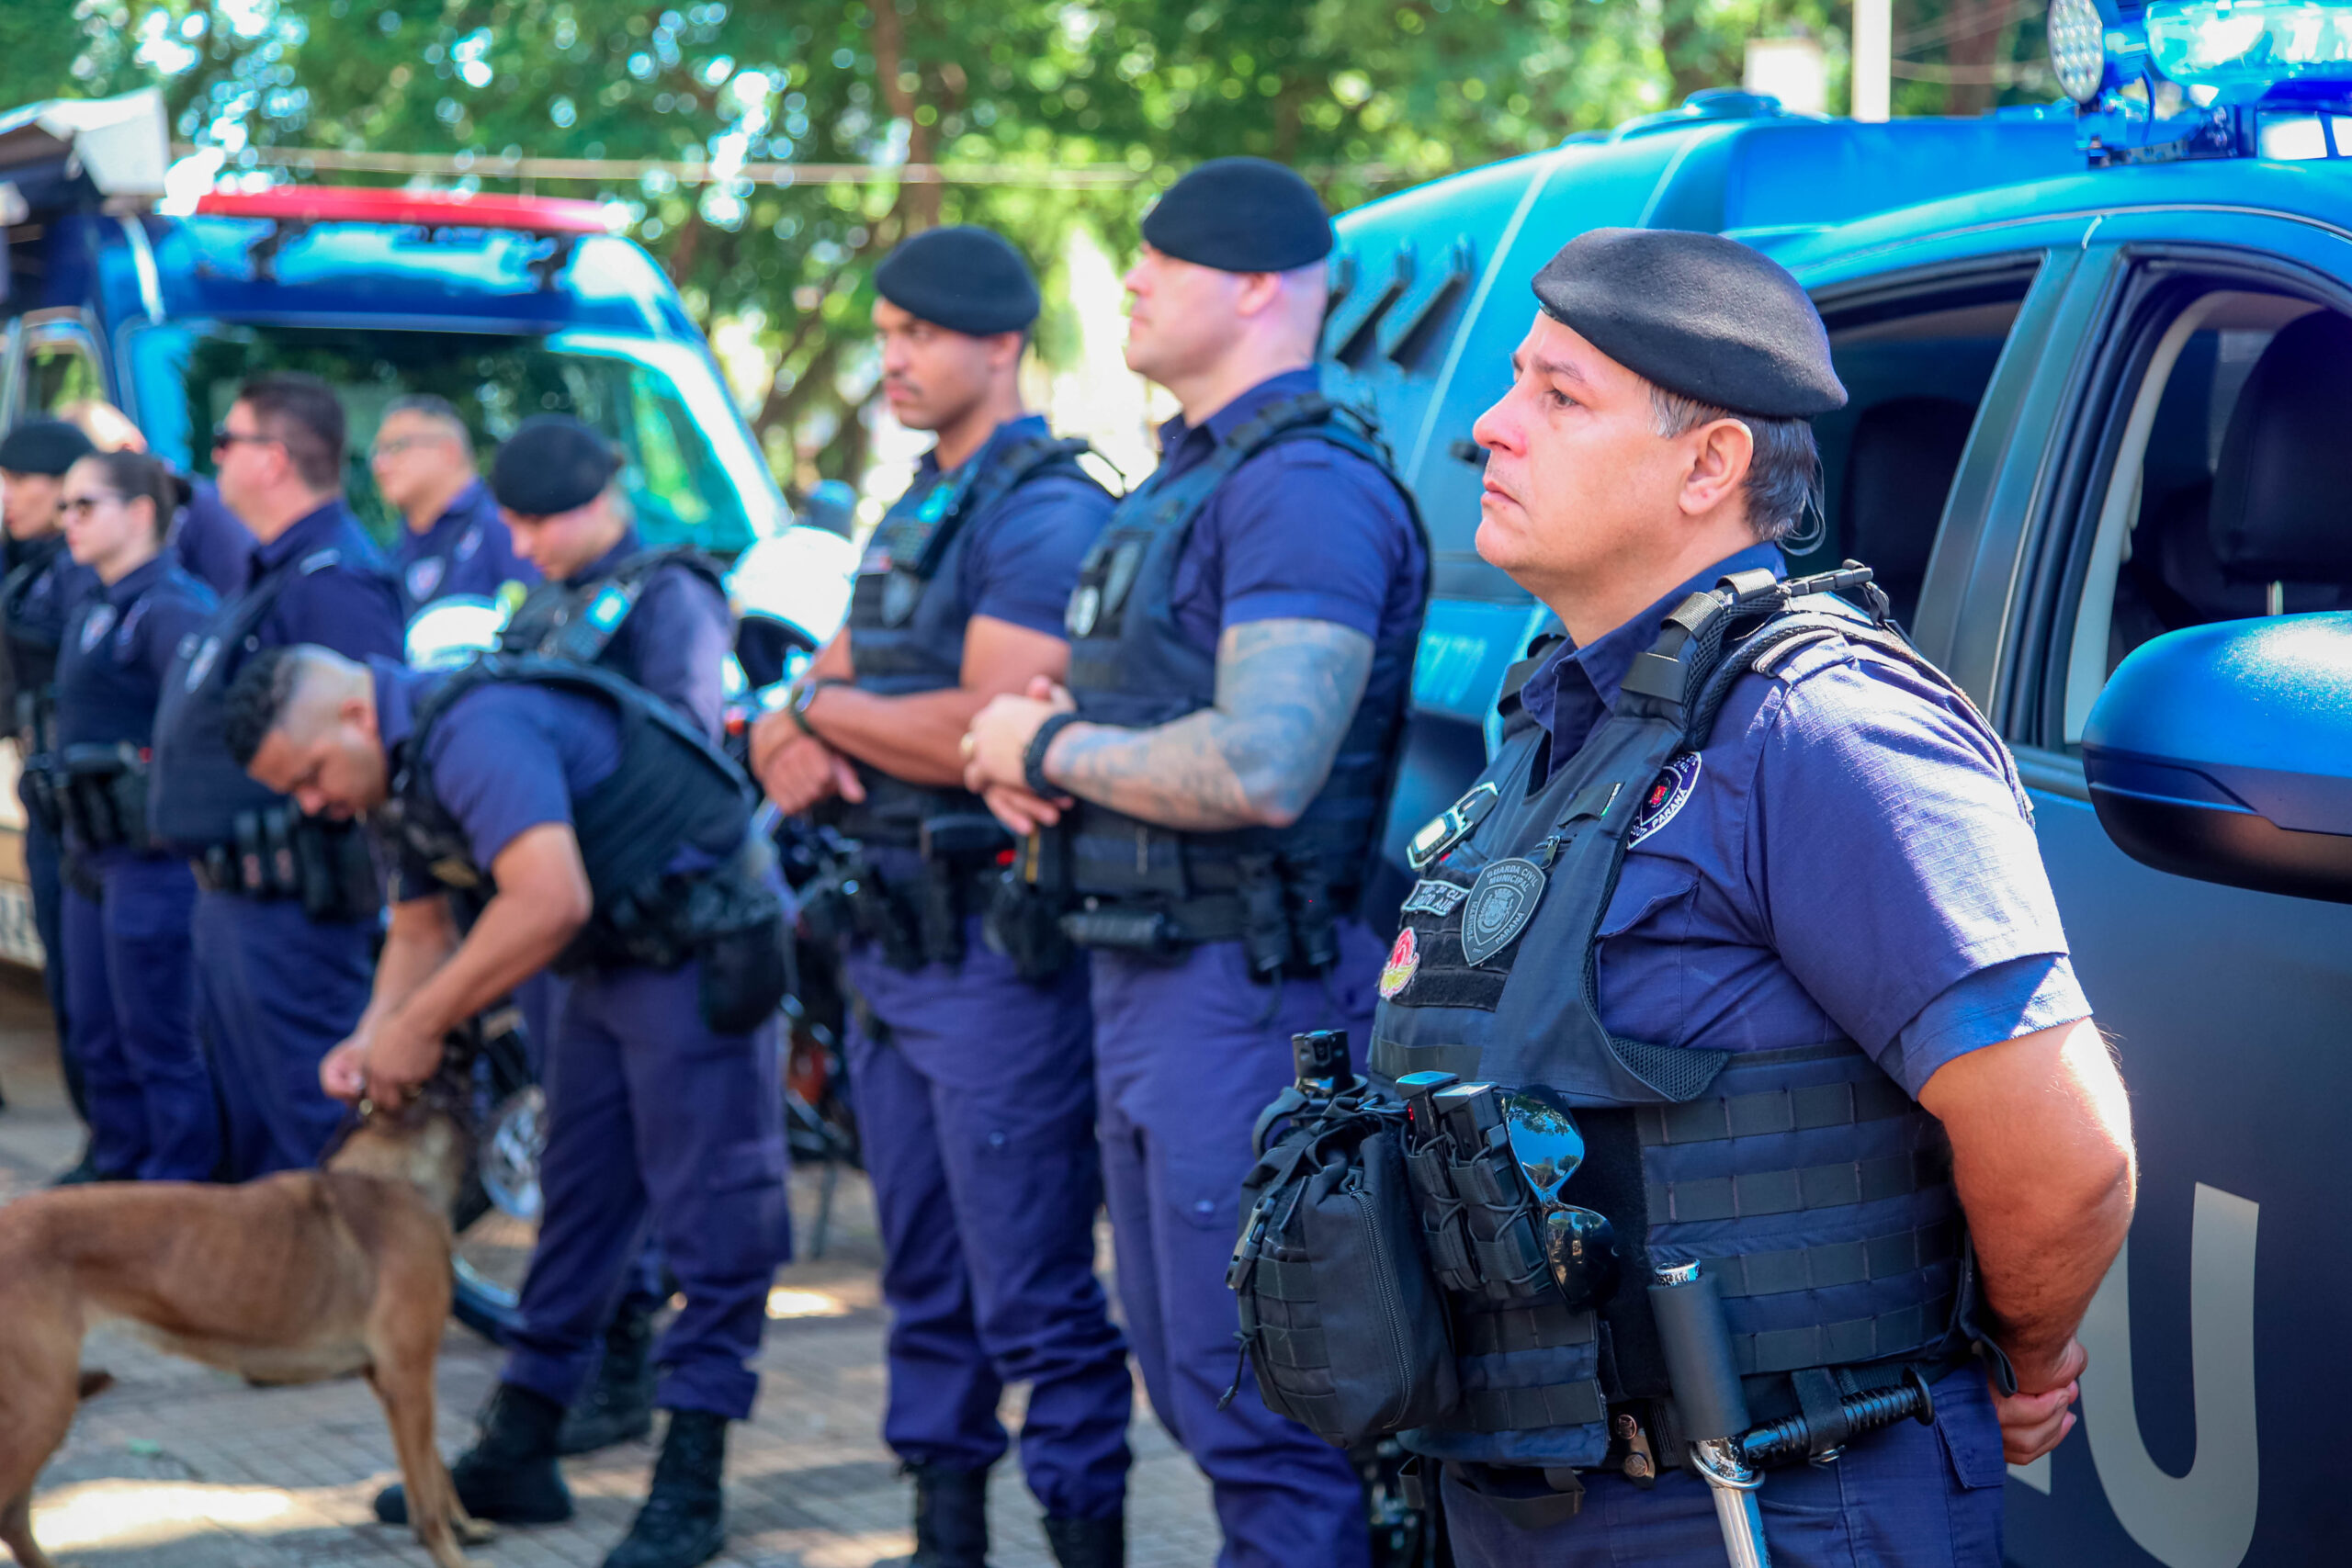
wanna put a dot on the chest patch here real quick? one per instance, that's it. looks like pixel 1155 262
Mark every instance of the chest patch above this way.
pixel 1438 898
pixel 1501 902
pixel 470 542
pixel 425 576
pixel 1404 958
pixel 901 591
pixel 95 626
pixel 1667 795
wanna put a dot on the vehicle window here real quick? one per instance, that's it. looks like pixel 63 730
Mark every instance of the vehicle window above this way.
pixel 1915 372
pixel 2213 508
pixel 675 483
pixel 58 371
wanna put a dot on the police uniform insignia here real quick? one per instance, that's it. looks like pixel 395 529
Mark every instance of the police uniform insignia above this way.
pixel 899 596
pixel 1501 902
pixel 1085 609
pixel 1438 898
pixel 605 611
pixel 1404 958
pixel 453 873
pixel 201 665
pixel 1665 797
pixel 95 628
pixel 469 544
pixel 423 577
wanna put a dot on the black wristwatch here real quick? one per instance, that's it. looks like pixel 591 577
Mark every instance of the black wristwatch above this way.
pixel 804 692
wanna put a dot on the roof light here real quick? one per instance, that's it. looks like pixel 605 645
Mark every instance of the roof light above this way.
pixel 2077 35
pixel 2249 43
pixel 445 209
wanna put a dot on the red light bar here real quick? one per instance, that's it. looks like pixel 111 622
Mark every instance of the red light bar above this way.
pixel 457 209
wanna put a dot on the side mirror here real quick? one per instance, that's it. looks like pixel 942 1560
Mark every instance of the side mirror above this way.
pixel 2224 752
pixel 448 632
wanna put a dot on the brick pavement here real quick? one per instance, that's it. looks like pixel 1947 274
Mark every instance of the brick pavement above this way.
pixel 179 1466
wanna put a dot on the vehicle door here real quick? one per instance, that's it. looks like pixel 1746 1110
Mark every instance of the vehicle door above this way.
pixel 2216 1358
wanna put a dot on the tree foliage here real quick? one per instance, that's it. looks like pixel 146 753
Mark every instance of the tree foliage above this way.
pixel 1082 108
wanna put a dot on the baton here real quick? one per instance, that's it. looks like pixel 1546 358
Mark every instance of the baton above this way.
pixel 1705 1378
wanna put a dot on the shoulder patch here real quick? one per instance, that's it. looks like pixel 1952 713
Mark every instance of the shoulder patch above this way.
pixel 1665 797
pixel 319 560
pixel 1404 959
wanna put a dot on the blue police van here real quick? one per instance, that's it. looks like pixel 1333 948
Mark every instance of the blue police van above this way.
pixel 2100 451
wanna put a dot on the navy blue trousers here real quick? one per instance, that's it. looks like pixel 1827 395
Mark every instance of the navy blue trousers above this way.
pixel 130 981
pixel 1908 1496
pixel 276 991
pixel 44 863
pixel 1190 1053
pixel 976 1109
pixel 652 1118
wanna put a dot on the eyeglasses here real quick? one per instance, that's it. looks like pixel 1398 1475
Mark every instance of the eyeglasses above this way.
pixel 395 447
pixel 83 505
pixel 223 437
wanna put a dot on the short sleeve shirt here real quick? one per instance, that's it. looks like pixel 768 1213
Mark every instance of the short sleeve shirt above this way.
pixel 1848 855
pixel 1019 562
pixel 121 640
pixel 468 551
pixel 210 542
pixel 347 602
pixel 675 640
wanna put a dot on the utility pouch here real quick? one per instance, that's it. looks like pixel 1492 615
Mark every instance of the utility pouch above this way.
pixel 106 790
pixel 41 799
pixel 1478 1220
pixel 940 916
pixel 1314 919
pixel 745 975
pixel 253 858
pixel 333 874
pixel 963 837
pixel 1340 1316
pixel 1265 924
pixel 1145 931
pixel 1023 924
pixel 883 920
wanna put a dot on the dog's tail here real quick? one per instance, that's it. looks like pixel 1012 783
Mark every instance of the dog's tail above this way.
pixel 94 1383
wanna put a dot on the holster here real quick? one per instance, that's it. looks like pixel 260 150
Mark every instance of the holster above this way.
pixel 103 795
pixel 42 798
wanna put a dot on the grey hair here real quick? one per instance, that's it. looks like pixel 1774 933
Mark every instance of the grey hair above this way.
pixel 1783 484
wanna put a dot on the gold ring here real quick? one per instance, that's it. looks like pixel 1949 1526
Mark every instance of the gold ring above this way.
pixel 967 744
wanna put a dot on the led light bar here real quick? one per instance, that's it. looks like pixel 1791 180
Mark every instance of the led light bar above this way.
pixel 2249 43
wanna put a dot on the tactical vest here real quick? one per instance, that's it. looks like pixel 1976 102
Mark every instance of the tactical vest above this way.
pixel 907 616
pixel 1815 1189
pixel 197 790
pixel 579 620
pixel 671 793
pixel 33 615
pixel 1131 665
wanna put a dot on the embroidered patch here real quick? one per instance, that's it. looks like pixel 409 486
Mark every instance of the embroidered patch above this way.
pixel 1402 959
pixel 201 665
pixel 425 576
pixel 1665 797
pixel 469 543
pixel 607 609
pixel 1437 898
pixel 1085 609
pixel 96 627
pixel 1502 901
pixel 900 595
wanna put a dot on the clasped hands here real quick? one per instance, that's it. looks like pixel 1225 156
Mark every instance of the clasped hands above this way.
pixel 385 1062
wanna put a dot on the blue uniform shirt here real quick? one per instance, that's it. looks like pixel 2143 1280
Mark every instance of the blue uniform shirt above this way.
pixel 1847 856
pixel 1021 558
pixel 467 551
pixel 118 646
pixel 675 640
pixel 350 605
pixel 503 759
pixel 212 544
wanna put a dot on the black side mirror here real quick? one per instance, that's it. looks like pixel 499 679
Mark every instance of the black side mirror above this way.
pixel 2224 752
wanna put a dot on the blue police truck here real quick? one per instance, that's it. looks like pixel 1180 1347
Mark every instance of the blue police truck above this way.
pixel 2100 451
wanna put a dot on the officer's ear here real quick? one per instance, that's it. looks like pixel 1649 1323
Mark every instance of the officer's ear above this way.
pixel 1720 453
pixel 359 712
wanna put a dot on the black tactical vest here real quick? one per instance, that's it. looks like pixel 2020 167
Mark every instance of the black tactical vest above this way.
pixel 578 620
pixel 673 792
pixel 1131 665
pixel 197 790
pixel 907 615
pixel 32 614
pixel 1815 1189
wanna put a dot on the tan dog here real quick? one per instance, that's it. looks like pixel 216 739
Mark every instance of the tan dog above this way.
pixel 293 1278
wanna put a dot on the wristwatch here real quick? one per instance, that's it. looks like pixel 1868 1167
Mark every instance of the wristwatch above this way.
pixel 804 692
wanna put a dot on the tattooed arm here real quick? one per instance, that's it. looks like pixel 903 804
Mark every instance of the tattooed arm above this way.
pixel 1285 691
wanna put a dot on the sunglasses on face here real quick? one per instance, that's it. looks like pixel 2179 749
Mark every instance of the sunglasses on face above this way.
pixel 83 505
pixel 223 438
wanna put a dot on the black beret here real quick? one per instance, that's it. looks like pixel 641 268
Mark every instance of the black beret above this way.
pixel 553 463
pixel 1698 314
pixel 965 279
pixel 43 446
pixel 1240 215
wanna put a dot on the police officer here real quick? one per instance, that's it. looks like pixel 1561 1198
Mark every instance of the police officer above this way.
pixel 616 842
pixel 205 535
pixel 129 954
pixel 986 1176
pixel 658 618
pixel 655 617
pixel 287 904
pixel 1754 891
pixel 1242 636
pixel 42 583
pixel 454 540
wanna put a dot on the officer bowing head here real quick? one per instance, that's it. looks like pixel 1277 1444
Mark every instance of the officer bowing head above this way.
pixel 985 1170
pixel 1751 891
pixel 554 480
pixel 594 830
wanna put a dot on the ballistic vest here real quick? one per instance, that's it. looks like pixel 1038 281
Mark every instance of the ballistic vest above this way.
pixel 35 600
pixel 1815 1191
pixel 1131 665
pixel 579 620
pixel 102 696
pixel 198 789
pixel 907 615
pixel 671 793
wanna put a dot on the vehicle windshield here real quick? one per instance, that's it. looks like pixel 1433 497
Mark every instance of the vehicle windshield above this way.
pixel 683 489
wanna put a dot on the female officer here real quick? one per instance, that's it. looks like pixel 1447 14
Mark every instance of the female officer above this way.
pixel 132 1002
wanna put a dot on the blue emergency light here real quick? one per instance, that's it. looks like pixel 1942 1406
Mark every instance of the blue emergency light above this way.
pixel 2159 80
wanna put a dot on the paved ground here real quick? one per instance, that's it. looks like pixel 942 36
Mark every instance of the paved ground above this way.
pixel 178 1466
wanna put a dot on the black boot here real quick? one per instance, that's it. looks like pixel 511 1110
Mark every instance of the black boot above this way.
pixel 619 1405
pixel 1088 1543
pixel 950 1518
pixel 509 1476
pixel 684 1521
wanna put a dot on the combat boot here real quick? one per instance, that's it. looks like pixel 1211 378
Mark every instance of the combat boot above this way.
pixel 950 1518
pixel 509 1476
pixel 1088 1543
pixel 619 1405
pixel 684 1521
